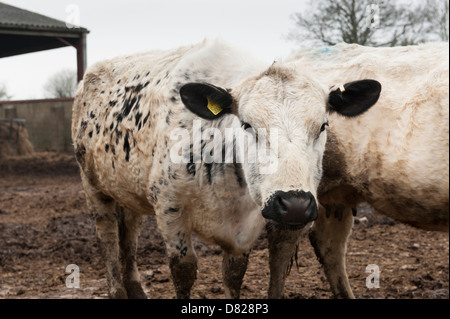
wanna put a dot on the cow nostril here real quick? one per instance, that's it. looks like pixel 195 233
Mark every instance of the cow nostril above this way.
pixel 282 205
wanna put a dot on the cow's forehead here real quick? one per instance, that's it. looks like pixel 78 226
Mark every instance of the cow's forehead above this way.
pixel 282 92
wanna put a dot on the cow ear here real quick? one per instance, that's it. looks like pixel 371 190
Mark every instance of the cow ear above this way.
pixel 354 98
pixel 206 100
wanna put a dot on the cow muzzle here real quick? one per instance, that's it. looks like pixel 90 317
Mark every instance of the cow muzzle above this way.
pixel 292 209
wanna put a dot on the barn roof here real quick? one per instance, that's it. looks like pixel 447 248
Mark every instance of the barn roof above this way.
pixel 16 18
pixel 13 18
pixel 23 31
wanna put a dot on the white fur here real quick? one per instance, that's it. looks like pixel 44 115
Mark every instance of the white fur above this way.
pixel 402 142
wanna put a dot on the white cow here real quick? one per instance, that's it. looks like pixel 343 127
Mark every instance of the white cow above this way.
pixel 128 116
pixel 395 156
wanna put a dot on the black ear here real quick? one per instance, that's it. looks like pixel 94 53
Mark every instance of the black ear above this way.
pixel 206 100
pixel 355 98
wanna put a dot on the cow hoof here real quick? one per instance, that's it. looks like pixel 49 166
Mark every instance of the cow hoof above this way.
pixel 119 293
pixel 135 291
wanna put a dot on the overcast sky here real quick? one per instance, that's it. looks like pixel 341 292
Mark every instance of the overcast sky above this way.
pixel 121 27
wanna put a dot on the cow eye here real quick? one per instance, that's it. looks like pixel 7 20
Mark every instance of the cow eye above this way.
pixel 248 128
pixel 245 125
pixel 322 128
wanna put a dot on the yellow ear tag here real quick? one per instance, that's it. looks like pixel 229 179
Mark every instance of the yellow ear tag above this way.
pixel 214 108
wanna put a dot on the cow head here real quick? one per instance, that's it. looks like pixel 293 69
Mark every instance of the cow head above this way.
pixel 296 108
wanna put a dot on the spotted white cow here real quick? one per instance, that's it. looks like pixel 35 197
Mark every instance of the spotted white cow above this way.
pixel 395 156
pixel 126 114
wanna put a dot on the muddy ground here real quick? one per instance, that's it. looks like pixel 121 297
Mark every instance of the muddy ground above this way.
pixel 45 226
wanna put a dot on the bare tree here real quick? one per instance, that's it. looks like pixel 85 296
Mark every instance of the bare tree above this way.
pixel 366 22
pixel 436 16
pixel 61 84
pixel 4 93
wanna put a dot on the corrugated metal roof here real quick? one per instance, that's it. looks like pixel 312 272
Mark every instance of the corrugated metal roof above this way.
pixel 16 18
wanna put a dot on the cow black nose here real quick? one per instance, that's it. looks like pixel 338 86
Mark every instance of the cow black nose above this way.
pixel 294 208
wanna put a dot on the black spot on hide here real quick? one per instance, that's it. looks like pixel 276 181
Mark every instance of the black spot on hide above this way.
pixel 126 147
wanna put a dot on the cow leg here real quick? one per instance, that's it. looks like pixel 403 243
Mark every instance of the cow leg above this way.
pixel 129 229
pixel 183 265
pixel 233 271
pixel 329 236
pixel 282 243
pixel 176 231
pixel 102 208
